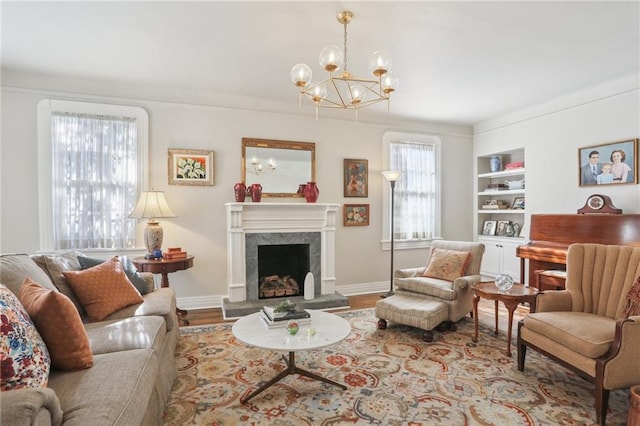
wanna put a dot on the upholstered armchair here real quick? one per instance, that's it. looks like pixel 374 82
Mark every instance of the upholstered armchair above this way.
pixel 585 327
pixel 453 290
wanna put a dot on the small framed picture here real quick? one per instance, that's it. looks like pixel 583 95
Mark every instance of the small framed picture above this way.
pixel 516 229
pixel 356 178
pixel 355 215
pixel 610 163
pixel 191 167
pixel 518 203
pixel 501 229
pixel 489 227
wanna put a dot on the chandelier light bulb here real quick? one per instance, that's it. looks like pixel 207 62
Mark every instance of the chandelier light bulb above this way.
pixel 389 84
pixel 331 58
pixel 301 75
pixel 358 94
pixel 379 62
pixel 319 93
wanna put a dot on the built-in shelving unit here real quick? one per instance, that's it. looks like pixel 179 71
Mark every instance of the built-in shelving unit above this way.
pixel 507 223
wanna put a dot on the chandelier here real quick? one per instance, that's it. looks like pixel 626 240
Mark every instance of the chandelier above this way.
pixel 257 168
pixel 344 90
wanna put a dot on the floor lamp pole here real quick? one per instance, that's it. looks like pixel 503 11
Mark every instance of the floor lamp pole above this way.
pixel 393 185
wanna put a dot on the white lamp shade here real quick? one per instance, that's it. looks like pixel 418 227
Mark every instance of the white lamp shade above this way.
pixel 391 175
pixel 152 204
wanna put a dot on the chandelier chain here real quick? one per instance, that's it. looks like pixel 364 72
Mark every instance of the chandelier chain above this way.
pixel 345 48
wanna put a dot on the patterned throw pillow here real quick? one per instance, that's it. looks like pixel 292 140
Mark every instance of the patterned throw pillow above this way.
pixel 103 289
pixel 59 323
pixel 129 268
pixel 24 358
pixel 447 264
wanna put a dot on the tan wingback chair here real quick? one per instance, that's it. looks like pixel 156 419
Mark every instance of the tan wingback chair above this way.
pixel 457 295
pixel 585 327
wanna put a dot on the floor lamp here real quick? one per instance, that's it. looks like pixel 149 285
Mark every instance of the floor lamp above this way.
pixel 392 176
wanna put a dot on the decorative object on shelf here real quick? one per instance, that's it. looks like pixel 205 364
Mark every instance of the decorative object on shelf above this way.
pixel 345 91
pixel 518 203
pixel 516 229
pixel 599 204
pixel 510 231
pixel 256 192
pixel 504 282
pixel 293 327
pixel 157 254
pixel 489 227
pixel 514 184
pixel 311 192
pixel 494 205
pixel 356 178
pixel 309 286
pixel 174 253
pixel 240 191
pixel 152 205
pixel 301 189
pixel 514 166
pixel 191 167
pixel 495 163
pixel 501 229
pixel 392 176
pixel 355 215
pixel 610 163
pixel 296 162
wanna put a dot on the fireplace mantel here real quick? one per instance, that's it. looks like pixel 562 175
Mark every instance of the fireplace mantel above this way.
pixel 244 218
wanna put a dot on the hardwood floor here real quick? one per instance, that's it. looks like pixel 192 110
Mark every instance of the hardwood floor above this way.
pixel 362 301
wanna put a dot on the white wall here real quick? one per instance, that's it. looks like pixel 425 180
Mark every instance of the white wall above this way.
pixel 551 135
pixel 361 265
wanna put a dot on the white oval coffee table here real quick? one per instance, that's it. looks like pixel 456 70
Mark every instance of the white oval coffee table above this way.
pixel 330 329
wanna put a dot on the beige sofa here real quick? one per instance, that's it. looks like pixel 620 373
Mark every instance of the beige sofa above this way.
pixel 134 359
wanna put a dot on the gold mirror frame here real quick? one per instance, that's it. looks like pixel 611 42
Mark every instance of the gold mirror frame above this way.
pixel 291 168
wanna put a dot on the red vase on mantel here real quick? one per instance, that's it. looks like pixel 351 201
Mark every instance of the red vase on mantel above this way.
pixel 240 191
pixel 256 192
pixel 311 192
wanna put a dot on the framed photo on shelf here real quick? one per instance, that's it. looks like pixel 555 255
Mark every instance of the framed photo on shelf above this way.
pixel 501 229
pixel 356 178
pixel 608 164
pixel 355 215
pixel 489 227
pixel 191 167
pixel 518 203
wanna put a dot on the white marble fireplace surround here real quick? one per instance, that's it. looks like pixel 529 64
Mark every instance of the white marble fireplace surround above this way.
pixel 278 219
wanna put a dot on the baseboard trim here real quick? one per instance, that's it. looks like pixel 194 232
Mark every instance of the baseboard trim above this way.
pixel 207 302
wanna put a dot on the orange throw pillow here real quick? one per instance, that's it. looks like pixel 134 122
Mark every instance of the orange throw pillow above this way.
pixel 447 264
pixel 59 324
pixel 103 289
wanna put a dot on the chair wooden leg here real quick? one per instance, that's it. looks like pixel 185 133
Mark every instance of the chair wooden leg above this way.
pixel 522 350
pixel 602 401
pixel 427 336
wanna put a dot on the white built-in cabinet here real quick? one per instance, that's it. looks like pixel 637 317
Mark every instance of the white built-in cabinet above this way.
pixel 500 250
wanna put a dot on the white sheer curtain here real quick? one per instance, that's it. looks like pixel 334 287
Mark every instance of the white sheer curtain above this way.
pixel 95 180
pixel 415 191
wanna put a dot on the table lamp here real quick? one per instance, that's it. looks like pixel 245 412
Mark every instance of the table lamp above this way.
pixel 152 205
pixel 392 176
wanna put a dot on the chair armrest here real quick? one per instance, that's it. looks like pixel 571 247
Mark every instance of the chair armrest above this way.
pixel 30 406
pixel 621 361
pixel 553 301
pixel 409 273
pixel 465 282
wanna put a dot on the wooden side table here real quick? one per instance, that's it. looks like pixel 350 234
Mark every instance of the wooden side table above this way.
pixel 510 298
pixel 165 267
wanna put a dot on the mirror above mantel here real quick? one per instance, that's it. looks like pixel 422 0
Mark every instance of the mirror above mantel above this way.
pixel 279 166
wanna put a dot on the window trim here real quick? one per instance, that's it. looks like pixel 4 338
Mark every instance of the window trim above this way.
pixel 387 139
pixel 45 109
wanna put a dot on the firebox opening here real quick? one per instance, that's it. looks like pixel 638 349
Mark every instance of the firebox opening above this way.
pixel 282 269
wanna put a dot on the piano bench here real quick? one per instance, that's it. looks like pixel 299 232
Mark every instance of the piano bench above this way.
pixel 552 279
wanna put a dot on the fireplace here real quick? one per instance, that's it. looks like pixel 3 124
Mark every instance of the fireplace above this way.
pixel 251 226
pixel 281 270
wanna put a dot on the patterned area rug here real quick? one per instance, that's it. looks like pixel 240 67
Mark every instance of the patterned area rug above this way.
pixel 392 378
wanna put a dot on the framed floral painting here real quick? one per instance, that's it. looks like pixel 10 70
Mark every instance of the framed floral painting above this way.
pixel 191 167
pixel 355 215
pixel 356 178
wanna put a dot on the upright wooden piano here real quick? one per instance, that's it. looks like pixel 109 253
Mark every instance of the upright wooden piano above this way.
pixel 551 234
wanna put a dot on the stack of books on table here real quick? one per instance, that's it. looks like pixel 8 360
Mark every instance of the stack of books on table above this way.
pixel 280 319
pixel 174 253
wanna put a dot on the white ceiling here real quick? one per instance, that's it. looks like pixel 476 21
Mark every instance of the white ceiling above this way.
pixel 458 62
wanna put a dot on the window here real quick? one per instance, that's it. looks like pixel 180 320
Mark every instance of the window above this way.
pixel 92 163
pixel 417 191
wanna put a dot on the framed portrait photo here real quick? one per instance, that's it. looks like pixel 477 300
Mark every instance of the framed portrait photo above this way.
pixel 501 228
pixel 518 203
pixel 356 178
pixel 191 167
pixel 611 163
pixel 489 227
pixel 355 215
